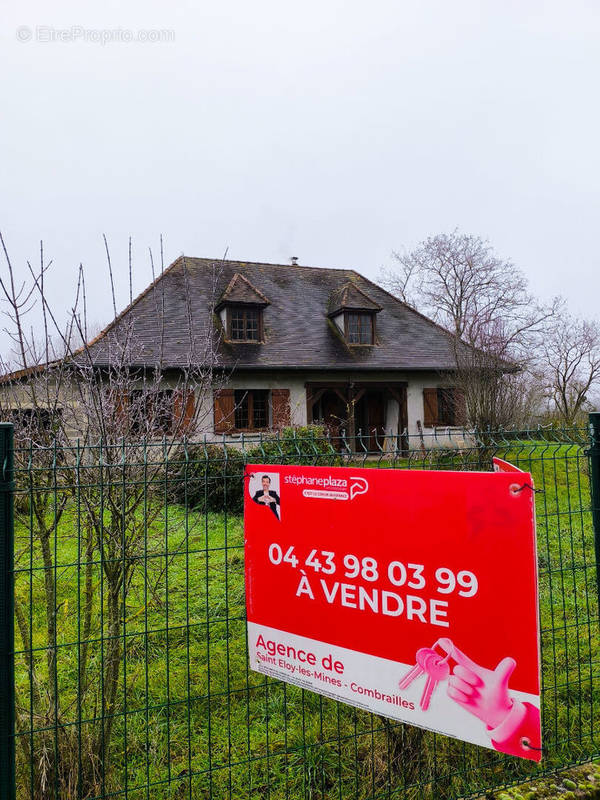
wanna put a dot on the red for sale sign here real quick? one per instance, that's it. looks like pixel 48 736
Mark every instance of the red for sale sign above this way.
pixel 411 594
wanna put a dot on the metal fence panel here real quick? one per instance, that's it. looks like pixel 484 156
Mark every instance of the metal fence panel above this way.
pixel 131 665
pixel 7 677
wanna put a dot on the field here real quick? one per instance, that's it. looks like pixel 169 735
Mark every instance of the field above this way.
pixel 190 720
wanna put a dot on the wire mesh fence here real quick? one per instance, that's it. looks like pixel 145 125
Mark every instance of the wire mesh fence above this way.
pixel 130 651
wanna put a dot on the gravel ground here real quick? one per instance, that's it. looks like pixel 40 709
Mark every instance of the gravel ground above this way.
pixel 579 782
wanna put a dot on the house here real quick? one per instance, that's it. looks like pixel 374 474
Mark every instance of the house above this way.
pixel 294 345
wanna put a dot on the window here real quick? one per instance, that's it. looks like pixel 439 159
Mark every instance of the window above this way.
pixel 443 407
pixel 244 324
pixel 446 401
pixel 251 409
pixel 35 421
pixel 151 412
pixel 360 327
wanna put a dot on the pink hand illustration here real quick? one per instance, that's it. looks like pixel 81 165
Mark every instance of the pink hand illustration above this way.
pixel 483 692
pixel 513 726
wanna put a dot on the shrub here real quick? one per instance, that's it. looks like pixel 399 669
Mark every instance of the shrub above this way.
pixel 305 445
pixel 210 479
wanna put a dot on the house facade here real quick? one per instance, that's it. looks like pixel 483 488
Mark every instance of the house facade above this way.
pixel 295 345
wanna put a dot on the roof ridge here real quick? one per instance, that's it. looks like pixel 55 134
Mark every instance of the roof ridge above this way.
pixel 274 264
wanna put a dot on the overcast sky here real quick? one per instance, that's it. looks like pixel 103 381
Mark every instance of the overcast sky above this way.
pixel 332 131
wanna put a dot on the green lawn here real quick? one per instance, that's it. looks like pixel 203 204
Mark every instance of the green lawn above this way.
pixel 192 721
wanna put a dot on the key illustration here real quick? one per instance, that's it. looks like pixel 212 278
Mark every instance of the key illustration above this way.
pixel 417 670
pixel 512 725
pixel 433 666
pixel 437 670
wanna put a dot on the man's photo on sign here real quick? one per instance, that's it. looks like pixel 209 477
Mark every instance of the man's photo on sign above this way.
pixel 264 490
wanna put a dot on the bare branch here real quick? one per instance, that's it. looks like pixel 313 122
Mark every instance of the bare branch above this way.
pixel 570 364
pixel 484 303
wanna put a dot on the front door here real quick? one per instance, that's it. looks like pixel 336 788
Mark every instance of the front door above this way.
pixel 331 412
pixel 376 409
pixel 370 420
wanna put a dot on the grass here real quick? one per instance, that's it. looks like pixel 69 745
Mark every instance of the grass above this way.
pixel 194 722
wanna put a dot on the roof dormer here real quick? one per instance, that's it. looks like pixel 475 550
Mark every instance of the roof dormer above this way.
pixel 241 310
pixel 354 313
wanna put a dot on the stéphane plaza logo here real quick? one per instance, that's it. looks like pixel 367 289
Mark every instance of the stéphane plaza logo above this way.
pixel 329 488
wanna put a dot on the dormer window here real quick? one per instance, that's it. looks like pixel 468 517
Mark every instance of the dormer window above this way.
pixel 360 327
pixel 241 309
pixel 244 324
pixel 354 313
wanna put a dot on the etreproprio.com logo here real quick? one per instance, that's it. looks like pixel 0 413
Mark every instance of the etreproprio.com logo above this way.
pixel 78 34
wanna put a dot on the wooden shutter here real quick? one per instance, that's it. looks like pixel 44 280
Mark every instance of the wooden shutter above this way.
pixel 280 399
pixel 460 407
pixel 224 409
pixel 430 408
pixel 121 405
pixel 184 406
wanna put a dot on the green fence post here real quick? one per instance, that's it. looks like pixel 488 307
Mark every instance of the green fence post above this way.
pixel 7 605
pixel 594 454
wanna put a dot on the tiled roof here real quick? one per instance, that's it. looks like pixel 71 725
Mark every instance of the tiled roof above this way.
pixel 240 290
pixel 297 331
pixel 350 296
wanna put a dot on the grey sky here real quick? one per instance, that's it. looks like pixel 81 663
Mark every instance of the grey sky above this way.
pixel 333 131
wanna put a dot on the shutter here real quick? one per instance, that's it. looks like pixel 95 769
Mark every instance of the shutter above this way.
pixel 184 407
pixel 430 408
pixel 280 400
pixel 224 409
pixel 121 405
pixel 460 407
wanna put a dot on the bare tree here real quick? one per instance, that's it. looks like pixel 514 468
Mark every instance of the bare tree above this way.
pixel 95 423
pixel 570 364
pixel 494 322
